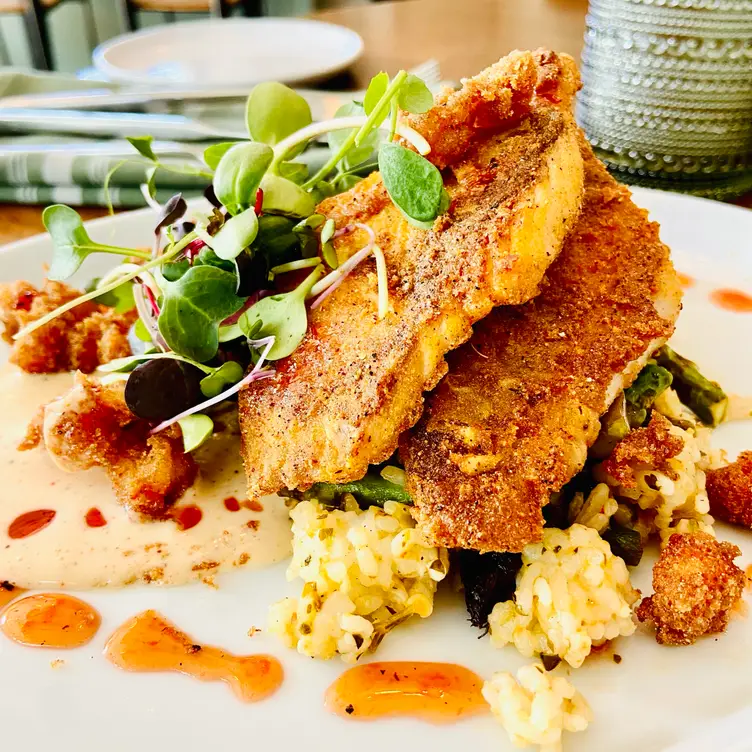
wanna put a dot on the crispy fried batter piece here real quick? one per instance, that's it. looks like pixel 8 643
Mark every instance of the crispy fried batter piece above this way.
pixel 91 426
pixel 696 585
pixel 512 421
pixel 652 445
pixel 730 491
pixel 80 339
pixel 340 401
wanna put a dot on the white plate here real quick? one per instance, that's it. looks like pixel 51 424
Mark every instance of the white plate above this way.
pixel 656 697
pixel 229 52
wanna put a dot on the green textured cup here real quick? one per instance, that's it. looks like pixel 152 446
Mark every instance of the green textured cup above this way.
pixel 667 93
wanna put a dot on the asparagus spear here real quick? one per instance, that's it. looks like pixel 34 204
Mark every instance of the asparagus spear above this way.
pixel 652 381
pixel 368 491
pixel 704 397
pixel 614 427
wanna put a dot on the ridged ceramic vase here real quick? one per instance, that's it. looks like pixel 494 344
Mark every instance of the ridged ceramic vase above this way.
pixel 667 92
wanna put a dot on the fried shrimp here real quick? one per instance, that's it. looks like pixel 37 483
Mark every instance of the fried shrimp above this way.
pixel 81 339
pixel 730 491
pixel 91 426
pixel 696 585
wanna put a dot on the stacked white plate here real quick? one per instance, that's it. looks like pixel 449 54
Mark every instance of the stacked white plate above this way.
pixel 667 96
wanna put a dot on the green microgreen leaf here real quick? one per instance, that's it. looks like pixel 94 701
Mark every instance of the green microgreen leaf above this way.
pixel 311 222
pixel 282 316
pixel 414 96
pixel 285 197
pixel 143 145
pixel 140 330
pixel 295 171
pixel 235 234
pixel 375 91
pixel 329 255
pixel 151 178
pixel 226 375
pixel 327 231
pixel 230 332
pixel 353 155
pixel 120 299
pixel 214 153
pixel 194 306
pixel 274 112
pixel 174 270
pixel 196 430
pixel 239 174
pixel 207 257
pixel 413 183
pixel 72 243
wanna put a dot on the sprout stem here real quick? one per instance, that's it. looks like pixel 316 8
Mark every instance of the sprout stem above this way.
pixel 106 288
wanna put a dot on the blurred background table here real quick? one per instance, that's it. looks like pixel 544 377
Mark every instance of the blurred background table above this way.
pixel 463 35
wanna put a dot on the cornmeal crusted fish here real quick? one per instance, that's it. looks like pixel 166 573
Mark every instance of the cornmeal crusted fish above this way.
pixel 507 145
pixel 512 421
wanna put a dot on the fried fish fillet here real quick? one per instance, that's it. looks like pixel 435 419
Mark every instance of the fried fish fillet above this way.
pixel 508 148
pixel 512 421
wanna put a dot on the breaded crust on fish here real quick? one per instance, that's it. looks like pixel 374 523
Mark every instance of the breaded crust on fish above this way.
pixel 508 148
pixel 512 421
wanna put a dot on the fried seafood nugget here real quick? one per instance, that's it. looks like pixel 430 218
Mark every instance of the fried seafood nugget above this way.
pixel 696 585
pixel 651 446
pixel 81 339
pixel 730 491
pixel 91 426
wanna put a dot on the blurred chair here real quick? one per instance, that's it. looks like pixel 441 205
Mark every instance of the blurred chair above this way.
pixel 34 14
pixel 219 8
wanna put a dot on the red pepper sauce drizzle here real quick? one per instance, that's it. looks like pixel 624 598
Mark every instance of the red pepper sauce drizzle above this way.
pixel 30 522
pixel 148 642
pixel 187 517
pixel 95 518
pixel 435 692
pixel 735 301
pixel 685 280
pixel 50 620
pixel 232 504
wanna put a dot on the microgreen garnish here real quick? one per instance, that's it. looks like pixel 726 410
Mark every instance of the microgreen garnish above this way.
pixel 120 299
pixel 172 211
pixel 274 112
pixel 292 266
pixel 256 373
pixel 214 153
pixel 414 184
pixel 129 362
pixel 216 382
pixel 327 231
pixel 72 243
pixel 143 145
pixel 375 91
pixel 239 173
pixel 193 308
pixel 236 233
pixel 285 197
pixel 283 317
pixel 196 429
pixel 415 96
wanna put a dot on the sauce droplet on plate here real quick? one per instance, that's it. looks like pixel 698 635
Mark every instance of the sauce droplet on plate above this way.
pixel 148 642
pixel 30 522
pixel 8 592
pixel 732 300
pixel 685 280
pixel 436 692
pixel 50 620
pixel 188 517
pixel 232 504
pixel 94 518
pixel 253 505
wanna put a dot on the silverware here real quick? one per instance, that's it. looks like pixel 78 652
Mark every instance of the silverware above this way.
pixel 121 124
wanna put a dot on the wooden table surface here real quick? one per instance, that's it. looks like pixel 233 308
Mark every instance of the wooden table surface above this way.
pixel 463 35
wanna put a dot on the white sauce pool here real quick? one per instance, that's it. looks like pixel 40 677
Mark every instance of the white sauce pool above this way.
pixel 68 553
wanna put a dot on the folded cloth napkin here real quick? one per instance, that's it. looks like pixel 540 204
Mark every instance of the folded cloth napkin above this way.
pixel 46 168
